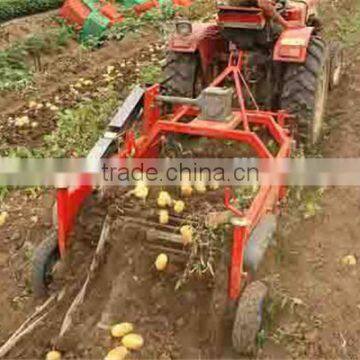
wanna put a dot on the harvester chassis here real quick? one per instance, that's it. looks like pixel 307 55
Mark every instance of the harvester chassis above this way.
pixel 150 106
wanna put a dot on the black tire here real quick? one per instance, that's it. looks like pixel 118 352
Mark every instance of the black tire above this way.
pixel 45 257
pixel 336 64
pixel 182 75
pixel 304 93
pixel 249 318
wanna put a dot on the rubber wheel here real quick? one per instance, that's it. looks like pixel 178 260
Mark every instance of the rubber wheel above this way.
pixel 45 257
pixel 305 90
pixel 336 64
pixel 182 75
pixel 248 318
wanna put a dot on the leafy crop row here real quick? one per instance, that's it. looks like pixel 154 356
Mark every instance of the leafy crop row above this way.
pixel 15 70
pixel 10 9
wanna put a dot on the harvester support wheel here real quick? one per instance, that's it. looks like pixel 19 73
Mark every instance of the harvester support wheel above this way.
pixel 45 257
pixel 183 75
pixel 336 64
pixel 248 318
pixel 305 90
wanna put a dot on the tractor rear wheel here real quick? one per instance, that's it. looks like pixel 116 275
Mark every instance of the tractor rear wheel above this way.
pixel 305 91
pixel 249 318
pixel 182 75
pixel 45 257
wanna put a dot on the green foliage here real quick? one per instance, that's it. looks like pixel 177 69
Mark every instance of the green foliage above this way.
pixel 19 152
pixel 10 9
pixel 150 74
pixel 4 190
pixel 133 23
pixel 349 27
pixel 77 131
pixel 79 128
pixel 156 16
pixel 15 72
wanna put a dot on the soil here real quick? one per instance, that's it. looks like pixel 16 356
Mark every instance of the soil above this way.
pixel 314 312
pixel 17 29
pixel 61 69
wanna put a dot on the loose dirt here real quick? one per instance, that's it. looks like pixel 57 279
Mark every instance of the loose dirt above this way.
pixel 325 323
pixel 59 70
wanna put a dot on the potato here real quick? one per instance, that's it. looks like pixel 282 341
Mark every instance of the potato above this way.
pixel 119 353
pixel 164 199
pixel 53 108
pixel 3 217
pixel 200 187
pixel 163 217
pixel 53 355
pixel 22 121
pixel 32 104
pixel 186 190
pixel 179 206
pixel 119 330
pixel 133 341
pixel 110 69
pixel 141 191
pixel 161 262
pixel 349 260
pixel 186 232
pixel 214 185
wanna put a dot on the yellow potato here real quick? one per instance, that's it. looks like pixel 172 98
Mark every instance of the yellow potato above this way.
pixel 349 260
pixel 179 206
pixel 53 108
pixel 161 262
pixel 214 185
pixel 119 330
pixel 3 217
pixel 186 190
pixel 164 199
pixel 119 353
pixel 200 187
pixel 32 104
pixel 53 355
pixel 163 217
pixel 186 232
pixel 22 120
pixel 110 69
pixel 87 82
pixel 133 341
pixel 141 191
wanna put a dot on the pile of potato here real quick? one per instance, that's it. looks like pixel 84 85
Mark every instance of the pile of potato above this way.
pixel 165 202
pixel 129 341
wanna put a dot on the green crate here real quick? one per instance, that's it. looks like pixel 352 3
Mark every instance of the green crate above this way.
pixel 131 3
pixel 94 26
pixel 91 4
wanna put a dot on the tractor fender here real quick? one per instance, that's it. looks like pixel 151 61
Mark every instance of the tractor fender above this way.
pixel 204 39
pixel 292 45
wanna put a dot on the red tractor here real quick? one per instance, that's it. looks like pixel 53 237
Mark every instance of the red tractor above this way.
pixel 274 58
pixel 285 61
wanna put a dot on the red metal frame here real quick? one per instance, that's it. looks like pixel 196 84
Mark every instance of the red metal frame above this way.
pixel 204 39
pixel 239 129
pixel 291 46
pixel 251 16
